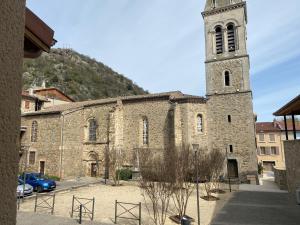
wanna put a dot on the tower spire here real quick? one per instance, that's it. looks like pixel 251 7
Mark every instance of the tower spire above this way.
pixel 213 4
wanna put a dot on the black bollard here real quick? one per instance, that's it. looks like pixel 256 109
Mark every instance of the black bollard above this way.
pixel 185 221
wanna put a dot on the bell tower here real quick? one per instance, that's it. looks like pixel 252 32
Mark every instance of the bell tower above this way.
pixel 230 110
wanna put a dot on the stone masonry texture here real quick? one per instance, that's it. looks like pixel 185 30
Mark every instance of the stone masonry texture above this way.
pixel 11 56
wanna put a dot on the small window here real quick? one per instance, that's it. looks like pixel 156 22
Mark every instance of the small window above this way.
pixel 231 37
pixel 229 118
pixel 273 151
pixel 219 40
pixel 34 130
pixel 199 123
pixel 272 137
pixel 227 78
pixel 27 104
pixel 145 131
pixel 92 130
pixel 231 148
pixel 263 150
pixel 31 158
pixel 261 137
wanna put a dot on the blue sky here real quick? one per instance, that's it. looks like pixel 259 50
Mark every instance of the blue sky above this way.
pixel 159 44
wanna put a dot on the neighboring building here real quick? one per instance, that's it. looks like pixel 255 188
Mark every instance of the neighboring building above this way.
pixel 31 102
pixel 270 137
pixel 70 140
pixel 35 99
pixel 53 95
pixel 270 151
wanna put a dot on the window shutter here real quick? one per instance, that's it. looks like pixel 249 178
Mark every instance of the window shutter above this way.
pixel 277 150
pixel 268 150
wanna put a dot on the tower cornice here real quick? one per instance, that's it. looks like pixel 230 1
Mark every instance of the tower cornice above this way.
pixel 226 8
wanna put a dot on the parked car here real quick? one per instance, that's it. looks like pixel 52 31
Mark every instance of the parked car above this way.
pixel 39 182
pixel 21 192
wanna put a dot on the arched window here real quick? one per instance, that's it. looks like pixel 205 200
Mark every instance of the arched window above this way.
pixel 227 78
pixel 219 40
pixel 231 37
pixel 199 123
pixel 145 131
pixel 34 130
pixel 92 130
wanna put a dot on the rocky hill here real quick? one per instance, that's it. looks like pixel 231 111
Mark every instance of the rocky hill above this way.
pixel 79 76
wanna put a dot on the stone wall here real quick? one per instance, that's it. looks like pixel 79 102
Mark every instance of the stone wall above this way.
pixel 11 55
pixel 239 132
pixel 292 160
pixel 280 178
pixel 46 147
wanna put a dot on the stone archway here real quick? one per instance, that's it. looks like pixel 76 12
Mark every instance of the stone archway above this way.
pixel 93 164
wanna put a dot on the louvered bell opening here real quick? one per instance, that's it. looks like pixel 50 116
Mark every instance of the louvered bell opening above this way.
pixel 219 40
pixel 231 38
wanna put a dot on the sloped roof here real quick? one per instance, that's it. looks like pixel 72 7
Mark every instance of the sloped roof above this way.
pixel 267 127
pixel 172 96
pixel 292 107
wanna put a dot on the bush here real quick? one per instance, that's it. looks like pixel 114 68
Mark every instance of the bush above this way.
pixel 52 177
pixel 125 174
pixel 260 168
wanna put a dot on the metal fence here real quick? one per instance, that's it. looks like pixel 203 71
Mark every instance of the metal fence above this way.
pixel 128 209
pixel 84 207
pixel 45 202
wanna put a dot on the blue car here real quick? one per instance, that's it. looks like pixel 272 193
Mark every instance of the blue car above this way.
pixel 39 182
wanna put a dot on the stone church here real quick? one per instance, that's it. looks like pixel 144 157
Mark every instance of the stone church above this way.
pixel 70 140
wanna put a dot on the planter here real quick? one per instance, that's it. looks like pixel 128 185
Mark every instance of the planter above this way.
pixel 177 218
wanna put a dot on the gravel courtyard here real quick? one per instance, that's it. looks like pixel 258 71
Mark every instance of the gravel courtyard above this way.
pixel 105 196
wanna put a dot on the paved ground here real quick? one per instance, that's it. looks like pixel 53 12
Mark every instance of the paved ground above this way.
pixel 259 205
pixel 28 218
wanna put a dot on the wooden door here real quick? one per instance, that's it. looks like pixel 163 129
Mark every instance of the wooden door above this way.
pixel 233 168
pixel 42 167
pixel 93 170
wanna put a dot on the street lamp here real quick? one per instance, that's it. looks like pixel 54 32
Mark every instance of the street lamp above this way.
pixel 197 182
pixel 229 181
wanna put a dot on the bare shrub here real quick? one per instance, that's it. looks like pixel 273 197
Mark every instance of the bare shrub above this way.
pixel 157 183
pixel 184 179
pixel 114 163
pixel 211 167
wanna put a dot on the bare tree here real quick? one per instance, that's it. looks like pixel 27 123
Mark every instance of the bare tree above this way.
pixel 211 166
pixel 184 179
pixel 157 183
pixel 114 161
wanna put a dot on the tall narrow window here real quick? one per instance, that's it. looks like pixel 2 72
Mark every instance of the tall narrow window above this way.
pixel 229 118
pixel 199 123
pixel 231 148
pixel 145 131
pixel 227 78
pixel 219 40
pixel 92 130
pixel 31 158
pixel 34 130
pixel 213 3
pixel 231 37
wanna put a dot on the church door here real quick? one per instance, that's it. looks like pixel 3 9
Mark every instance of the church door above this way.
pixel 232 168
pixel 93 170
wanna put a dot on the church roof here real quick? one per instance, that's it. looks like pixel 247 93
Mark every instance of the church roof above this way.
pixel 172 96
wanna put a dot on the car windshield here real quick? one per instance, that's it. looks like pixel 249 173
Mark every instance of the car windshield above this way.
pixel 20 182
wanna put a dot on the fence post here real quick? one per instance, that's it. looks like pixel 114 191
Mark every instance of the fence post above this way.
pixel 53 203
pixel 80 213
pixel 36 196
pixel 72 206
pixel 116 211
pixel 140 213
pixel 93 208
